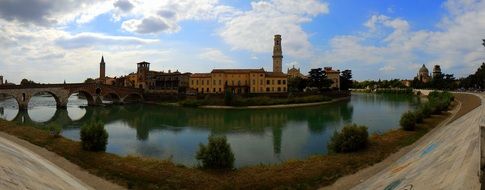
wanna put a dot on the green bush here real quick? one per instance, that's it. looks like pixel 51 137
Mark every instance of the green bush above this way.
pixel 217 154
pixel 93 136
pixel 55 130
pixel 408 121
pixel 351 138
pixel 426 110
pixel 419 116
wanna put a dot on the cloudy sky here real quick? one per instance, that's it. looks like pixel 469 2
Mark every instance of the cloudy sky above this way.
pixel 55 40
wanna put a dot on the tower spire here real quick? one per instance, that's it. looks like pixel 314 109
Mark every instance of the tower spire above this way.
pixel 277 54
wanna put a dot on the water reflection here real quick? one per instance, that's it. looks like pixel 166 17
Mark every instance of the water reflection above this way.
pixel 256 136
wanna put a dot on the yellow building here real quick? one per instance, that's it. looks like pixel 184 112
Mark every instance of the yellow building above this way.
pixel 294 73
pixel 242 81
pixel 334 76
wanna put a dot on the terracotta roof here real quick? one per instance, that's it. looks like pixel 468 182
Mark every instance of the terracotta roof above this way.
pixel 237 70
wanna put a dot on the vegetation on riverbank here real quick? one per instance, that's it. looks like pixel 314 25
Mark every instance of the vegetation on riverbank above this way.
pixel 146 173
pixel 252 101
pixel 408 91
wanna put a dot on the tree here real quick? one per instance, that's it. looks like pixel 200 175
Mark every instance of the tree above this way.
pixel 297 84
pixel 217 154
pixel 89 80
pixel 94 136
pixel 26 82
pixel 318 79
pixel 346 80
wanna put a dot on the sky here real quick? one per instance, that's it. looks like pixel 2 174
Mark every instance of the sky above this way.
pixel 50 41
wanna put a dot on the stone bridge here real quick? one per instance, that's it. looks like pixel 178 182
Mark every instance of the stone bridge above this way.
pixel 94 93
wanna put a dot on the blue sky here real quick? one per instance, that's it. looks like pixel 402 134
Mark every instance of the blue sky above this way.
pixel 376 39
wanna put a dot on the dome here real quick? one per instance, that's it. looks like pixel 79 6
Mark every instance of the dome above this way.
pixel 423 69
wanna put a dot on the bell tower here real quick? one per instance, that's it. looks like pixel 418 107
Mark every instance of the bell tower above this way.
pixel 277 54
pixel 102 70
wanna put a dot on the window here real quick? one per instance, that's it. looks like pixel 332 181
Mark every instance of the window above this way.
pixel 254 89
pixel 272 82
pixel 197 82
pixel 284 89
pixel 279 82
pixel 261 75
pixel 267 89
pixel 272 89
pixel 225 83
pixel 284 81
pixel 192 82
pixel 261 82
pixel 202 82
pixel 208 90
pixel 214 82
pixel 254 82
pixel 214 90
pixel 220 82
pixel 232 83
pixel 279 89
pixel 239 83
pixel 208 82
pixel 220 90
pixel 267 82
pixel 202 90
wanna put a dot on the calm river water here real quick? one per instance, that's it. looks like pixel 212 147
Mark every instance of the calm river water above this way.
pixel 256 136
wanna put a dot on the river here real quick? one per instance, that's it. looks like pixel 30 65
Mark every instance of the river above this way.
pixel 264 136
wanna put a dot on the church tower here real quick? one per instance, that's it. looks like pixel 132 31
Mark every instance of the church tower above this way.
pixel 102 70
pixel 277 54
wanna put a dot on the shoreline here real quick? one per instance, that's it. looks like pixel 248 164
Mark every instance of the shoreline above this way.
pixel 352 180
pixel 254 107
pixel 276 106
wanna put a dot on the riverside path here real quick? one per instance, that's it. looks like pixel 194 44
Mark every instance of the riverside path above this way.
pixel 22 169
pixel 447 159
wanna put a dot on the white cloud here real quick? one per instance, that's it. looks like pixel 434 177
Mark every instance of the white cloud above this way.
pixel 164 16
pixel 390 44
pixel 253 30
pixel 215 55
pixel 87 39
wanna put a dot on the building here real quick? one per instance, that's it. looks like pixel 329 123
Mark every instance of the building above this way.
pixel 294 73
pixel 158 81
pixel 436 71
pixel 423 75
pixel 102 71
pixel 242 81
pixel 333 75
pixel 1 80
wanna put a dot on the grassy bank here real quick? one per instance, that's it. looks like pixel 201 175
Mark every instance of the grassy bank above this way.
pixel 144 173
pixel 254 101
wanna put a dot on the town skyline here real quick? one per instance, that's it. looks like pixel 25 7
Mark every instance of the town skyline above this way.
pixel 375 40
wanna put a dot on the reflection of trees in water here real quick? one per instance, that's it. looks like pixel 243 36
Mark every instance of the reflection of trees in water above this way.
pixel 392 100
pixel 145 118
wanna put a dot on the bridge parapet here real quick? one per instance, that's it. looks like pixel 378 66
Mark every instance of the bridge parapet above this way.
pixel 94 93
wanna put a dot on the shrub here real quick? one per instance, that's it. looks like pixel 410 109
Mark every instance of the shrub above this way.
pixel 217 154
pixel 93 136
pixel 419 116
pixel 408 121
pixel 55 130
pixel 351 138
pixel 426 110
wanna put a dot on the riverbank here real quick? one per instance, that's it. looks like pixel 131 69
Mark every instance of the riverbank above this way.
pixel 146 173
pixel 278 106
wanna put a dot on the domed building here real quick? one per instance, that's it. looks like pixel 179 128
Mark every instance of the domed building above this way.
pixel 423 74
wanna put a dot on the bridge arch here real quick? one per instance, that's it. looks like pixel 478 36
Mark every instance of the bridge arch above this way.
pixel 132 98
pixel 113 97
pixel 89 97
pixel 28 99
